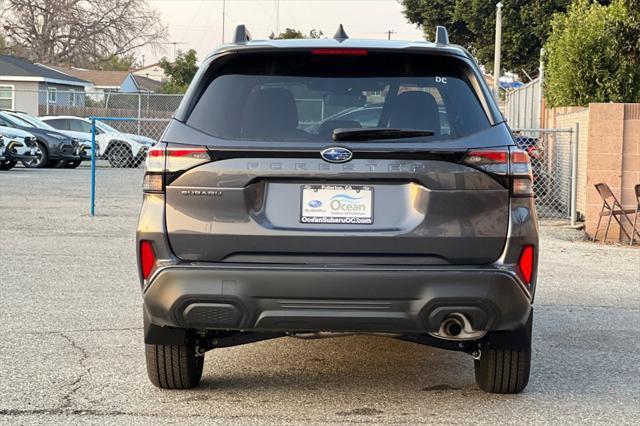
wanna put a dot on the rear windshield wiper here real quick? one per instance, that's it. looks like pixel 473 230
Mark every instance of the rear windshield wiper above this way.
pixel 358 134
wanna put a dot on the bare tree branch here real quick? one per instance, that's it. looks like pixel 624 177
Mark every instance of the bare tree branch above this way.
pixel 80 32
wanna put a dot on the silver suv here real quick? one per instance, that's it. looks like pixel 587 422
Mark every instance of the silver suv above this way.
pixel 259 223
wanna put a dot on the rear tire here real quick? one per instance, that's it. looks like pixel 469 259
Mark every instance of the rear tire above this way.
pixel 174 366
pixel 119 156
pixel 7 165
pixel 503 370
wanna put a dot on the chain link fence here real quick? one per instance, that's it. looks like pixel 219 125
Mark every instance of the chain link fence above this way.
pixel 133 122
pixel 552 157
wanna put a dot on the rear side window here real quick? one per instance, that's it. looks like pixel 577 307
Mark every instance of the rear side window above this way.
pixel 302 96
pixel 59 124
pixel 79 126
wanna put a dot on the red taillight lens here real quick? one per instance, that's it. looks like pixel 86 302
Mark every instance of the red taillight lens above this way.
pixel 340 52
pixel 181 158
pixel 525 264
pixel 490 160
pixel 147 258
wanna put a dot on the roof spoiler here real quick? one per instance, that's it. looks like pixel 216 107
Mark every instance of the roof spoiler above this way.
pixel 242 34
pixel 442 35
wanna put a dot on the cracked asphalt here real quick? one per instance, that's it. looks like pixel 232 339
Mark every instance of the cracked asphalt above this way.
pixel 71 346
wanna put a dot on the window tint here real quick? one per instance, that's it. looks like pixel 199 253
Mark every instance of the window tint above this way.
pixel 304 97
pixel 79 126
pixel 59 123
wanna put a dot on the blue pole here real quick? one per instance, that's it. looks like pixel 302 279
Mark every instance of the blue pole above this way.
pixel 93 167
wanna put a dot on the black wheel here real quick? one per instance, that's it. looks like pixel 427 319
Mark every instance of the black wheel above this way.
pixel 7 165
pixel 72 164
pixel 120 156
pixel 503 370
pixel 42 160
pixel 174 366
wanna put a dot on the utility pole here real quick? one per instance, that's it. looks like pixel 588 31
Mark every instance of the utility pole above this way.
pixel 224 16
pixel 496 53
pixel 175 43
pixel 389 32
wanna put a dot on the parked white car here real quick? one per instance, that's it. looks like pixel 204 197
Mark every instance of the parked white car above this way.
pixel 119 148
pixel 16 145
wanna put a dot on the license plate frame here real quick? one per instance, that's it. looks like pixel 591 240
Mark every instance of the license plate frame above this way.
pixel 336 204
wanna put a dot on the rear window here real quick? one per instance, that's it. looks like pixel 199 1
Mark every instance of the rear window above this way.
pixel 302 96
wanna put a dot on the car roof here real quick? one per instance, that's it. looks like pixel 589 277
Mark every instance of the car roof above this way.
pixel 52 117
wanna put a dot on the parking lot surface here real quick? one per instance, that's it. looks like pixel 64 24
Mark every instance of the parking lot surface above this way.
pixel 71 338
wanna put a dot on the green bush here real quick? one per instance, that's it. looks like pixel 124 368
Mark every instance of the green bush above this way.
pixel 589 57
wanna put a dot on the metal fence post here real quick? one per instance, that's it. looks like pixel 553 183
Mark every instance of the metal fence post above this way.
pixel 574 175
pixel 139 107
pixel 92 211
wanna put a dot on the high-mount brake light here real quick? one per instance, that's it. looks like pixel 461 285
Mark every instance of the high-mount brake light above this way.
pixel 147 258
pixel 339 52
pixel 525 264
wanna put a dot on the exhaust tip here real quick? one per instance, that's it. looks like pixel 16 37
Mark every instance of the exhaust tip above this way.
pixel 453 328
pixel 457 326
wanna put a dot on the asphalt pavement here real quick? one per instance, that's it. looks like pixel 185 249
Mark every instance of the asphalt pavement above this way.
pixel 71 347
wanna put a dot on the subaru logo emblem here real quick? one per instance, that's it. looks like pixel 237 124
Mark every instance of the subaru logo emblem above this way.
pixel 336 154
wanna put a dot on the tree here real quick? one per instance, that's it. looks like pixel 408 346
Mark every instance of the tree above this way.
pixel 290 33
pixel 471 23
pixel 80 32
pixel 180 72
pixel 587 60
pixel 117 63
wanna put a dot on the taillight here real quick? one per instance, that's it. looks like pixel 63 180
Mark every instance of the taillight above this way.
pixel 525 264
pixel 181 158
pixel 490 160
pixel 521 174
pixel 166 162
pixel 147 258
pixel 153 181
pixel 513 164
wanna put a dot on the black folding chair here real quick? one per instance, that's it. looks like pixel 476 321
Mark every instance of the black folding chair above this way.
pixel 612 208
pixel 635 216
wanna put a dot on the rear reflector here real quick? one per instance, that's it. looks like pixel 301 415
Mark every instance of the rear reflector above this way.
pixel 147 258
pixel 340 52
pixel 526 264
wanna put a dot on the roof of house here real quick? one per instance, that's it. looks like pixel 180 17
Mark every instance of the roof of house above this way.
pixel 157 64
pixel 108 79
pixel 145 84
pixel 17 69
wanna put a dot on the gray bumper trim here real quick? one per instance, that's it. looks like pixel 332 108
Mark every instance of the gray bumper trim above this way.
pixel 334 299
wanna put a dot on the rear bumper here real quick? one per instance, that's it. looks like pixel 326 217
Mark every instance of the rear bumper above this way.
pixel 393 300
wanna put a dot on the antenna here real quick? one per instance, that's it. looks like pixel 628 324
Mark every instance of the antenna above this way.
pixel 341 35
pixel 174 43
pixel 442 36
pixel 242 34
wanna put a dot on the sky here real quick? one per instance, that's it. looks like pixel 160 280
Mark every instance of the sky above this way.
pixel 197 24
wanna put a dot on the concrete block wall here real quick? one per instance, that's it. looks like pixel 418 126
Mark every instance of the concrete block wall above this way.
pixel 613 157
